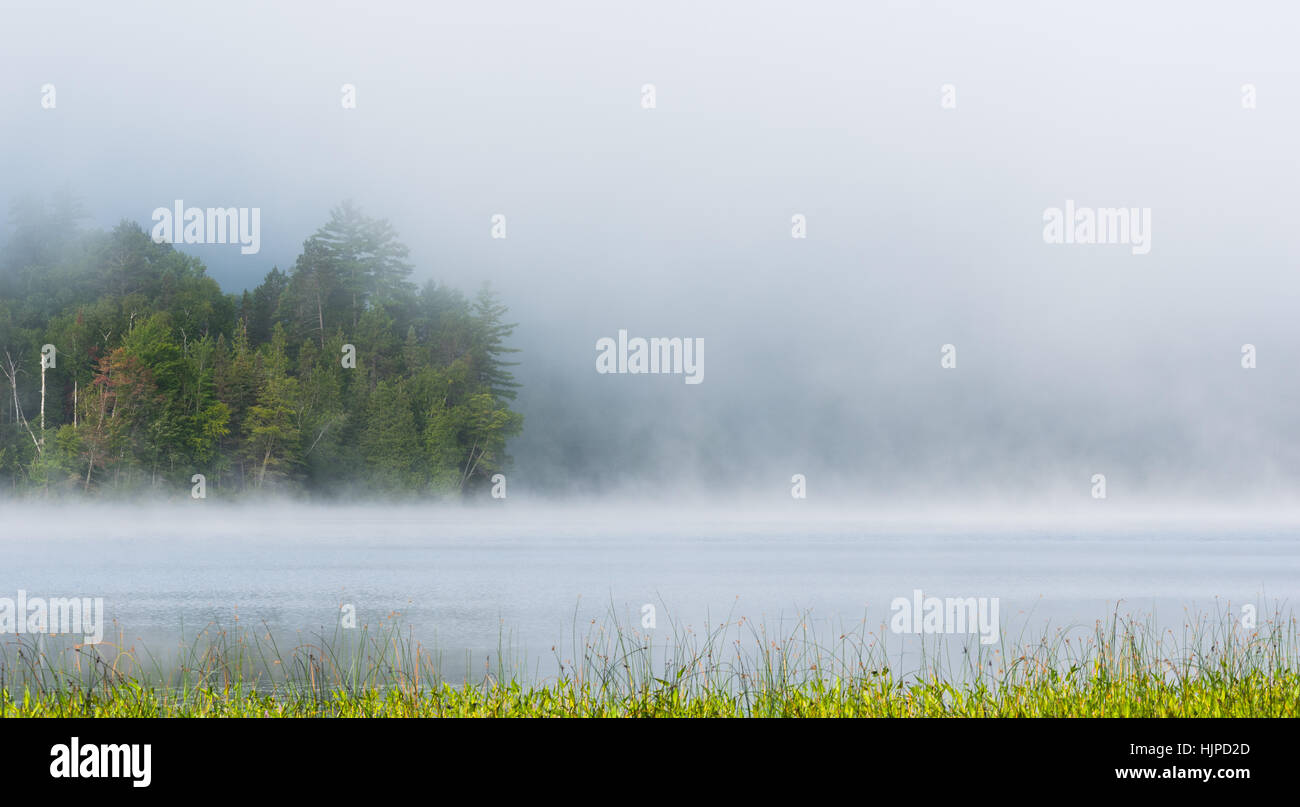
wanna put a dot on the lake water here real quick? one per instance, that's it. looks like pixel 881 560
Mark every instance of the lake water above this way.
pixel 461 577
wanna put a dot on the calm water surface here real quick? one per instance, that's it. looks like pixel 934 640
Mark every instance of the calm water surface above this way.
pixel 461 578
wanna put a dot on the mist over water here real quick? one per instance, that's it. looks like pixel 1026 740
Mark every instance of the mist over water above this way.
pixel 823 354
pixel 924 223
pixel 532 581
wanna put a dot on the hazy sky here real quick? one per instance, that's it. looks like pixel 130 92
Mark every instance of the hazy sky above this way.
pixel 924 223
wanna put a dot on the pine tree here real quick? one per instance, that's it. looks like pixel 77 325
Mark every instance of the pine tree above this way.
pixel 490 332
pixel 390 453
pixel 271 428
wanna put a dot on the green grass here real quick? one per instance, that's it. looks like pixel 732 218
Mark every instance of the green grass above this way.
pixel 1121 667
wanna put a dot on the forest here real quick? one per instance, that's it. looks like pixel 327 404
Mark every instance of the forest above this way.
pixel 125 368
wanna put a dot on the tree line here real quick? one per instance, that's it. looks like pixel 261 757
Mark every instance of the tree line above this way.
pixel 124 367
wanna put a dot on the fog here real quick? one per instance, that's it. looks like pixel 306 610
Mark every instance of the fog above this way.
pixel 924 223
pixel 528 583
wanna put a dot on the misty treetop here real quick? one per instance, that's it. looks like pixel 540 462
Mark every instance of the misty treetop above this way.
pixel 337 375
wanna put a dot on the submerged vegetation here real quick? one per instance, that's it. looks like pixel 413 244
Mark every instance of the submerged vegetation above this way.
pixel 125 368
pixel 1120 668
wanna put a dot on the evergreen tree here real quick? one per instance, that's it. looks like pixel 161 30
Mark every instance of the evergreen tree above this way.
pixel 390 453
pixel 490 332
pixel 271 428
pixel 160 375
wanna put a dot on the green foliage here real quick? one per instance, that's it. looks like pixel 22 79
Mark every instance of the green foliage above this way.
pixel 159 375
pixel 391 457
pixel 490 334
